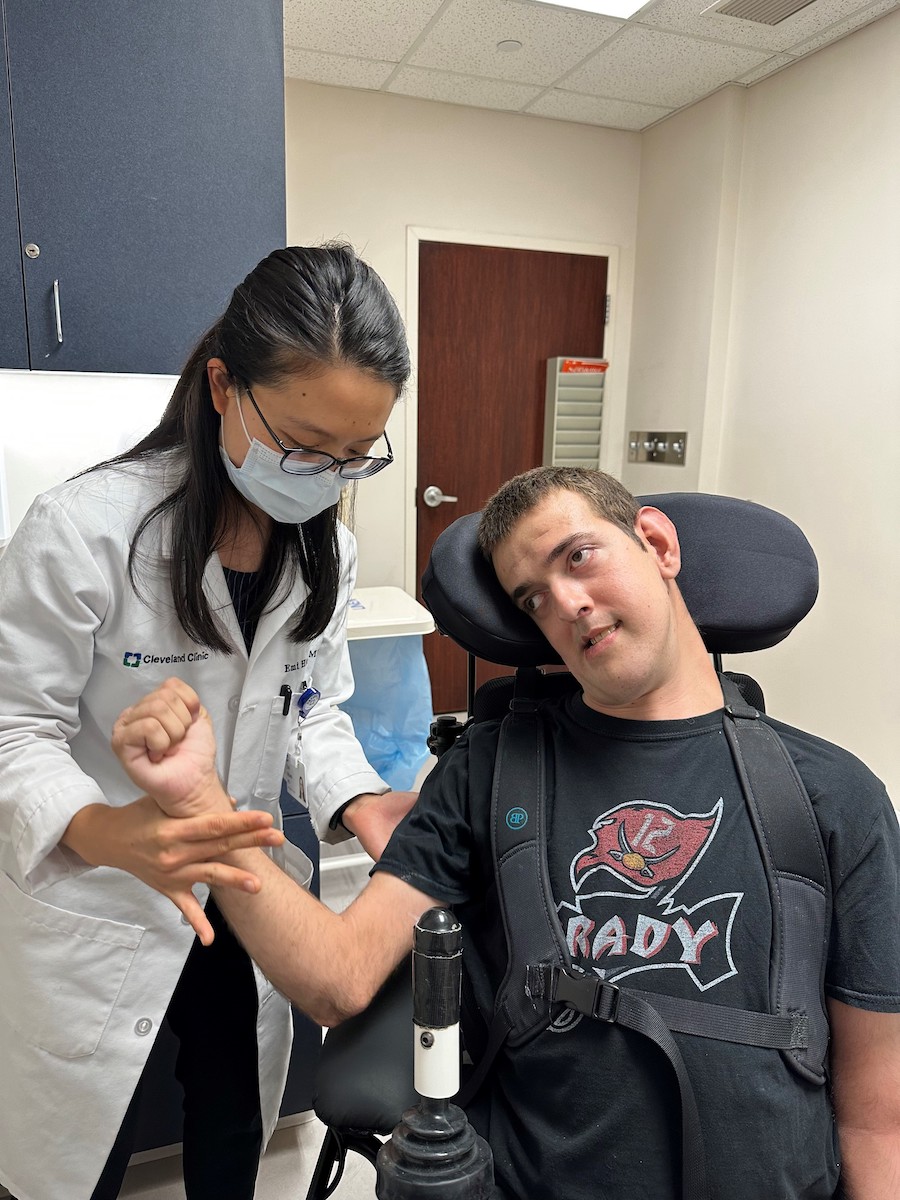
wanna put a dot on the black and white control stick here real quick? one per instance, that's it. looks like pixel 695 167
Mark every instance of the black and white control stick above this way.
pixel 434 1152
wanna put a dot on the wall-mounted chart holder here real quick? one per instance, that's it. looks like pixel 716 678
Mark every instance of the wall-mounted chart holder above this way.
pixel 573 411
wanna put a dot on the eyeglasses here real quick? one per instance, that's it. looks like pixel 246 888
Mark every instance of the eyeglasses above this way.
pixel 297 460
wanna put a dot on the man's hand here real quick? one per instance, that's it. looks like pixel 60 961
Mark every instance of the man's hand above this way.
pixel 374 818
pixel 170 837
pixel 166 744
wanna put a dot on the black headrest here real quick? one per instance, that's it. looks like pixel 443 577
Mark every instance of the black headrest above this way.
pixel 748 576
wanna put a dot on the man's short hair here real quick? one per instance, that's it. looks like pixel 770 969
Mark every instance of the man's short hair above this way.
pixel 606 496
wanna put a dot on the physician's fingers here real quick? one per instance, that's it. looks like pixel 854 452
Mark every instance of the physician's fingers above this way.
pixel 175 858
pixel 220 825
pixel 217 874
pixel 193 913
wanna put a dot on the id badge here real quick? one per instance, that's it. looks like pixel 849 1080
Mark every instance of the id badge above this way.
pixel 295 776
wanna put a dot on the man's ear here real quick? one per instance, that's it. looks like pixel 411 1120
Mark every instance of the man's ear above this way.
pixel 660 537
pixel 221 384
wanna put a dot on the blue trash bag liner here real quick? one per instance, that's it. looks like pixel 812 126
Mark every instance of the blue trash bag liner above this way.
pixel 391 706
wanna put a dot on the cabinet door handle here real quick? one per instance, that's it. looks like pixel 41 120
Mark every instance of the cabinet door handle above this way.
pixel 58 311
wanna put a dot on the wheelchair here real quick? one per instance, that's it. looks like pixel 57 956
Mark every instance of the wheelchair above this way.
pixel 748 577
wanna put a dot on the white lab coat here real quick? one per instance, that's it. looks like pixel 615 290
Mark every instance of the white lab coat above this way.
pixel 89 957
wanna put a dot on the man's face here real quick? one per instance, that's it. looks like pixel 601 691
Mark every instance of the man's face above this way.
pixel 603 601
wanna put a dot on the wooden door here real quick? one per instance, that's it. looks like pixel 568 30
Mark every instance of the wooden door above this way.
pixel 489 318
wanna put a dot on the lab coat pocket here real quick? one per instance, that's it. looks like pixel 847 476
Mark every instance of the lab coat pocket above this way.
pixel 267 788
pixel 63 971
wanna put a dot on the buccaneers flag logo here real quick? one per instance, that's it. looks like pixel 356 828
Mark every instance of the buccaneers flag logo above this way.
pixel 643 843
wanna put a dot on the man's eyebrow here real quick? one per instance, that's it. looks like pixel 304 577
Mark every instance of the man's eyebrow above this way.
pixel 560 548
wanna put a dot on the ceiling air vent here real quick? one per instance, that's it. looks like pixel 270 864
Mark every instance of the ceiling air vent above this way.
pixel 764 12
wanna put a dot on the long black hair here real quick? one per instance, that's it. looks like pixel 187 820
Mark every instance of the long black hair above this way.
pixel 301 309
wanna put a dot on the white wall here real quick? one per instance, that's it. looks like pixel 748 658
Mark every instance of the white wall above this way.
pixel 687 225
pixel 367 165
pixel 793 371
pixel 812 421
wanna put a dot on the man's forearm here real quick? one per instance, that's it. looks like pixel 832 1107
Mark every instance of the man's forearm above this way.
pixel 329 964
pixel 870 1167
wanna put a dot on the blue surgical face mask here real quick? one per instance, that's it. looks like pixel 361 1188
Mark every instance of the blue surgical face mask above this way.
pixel 288 499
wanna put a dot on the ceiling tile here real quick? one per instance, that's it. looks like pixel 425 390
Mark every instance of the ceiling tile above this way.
pixel 336 69
pixel 554 40
pixel 769 67
pixel 382 29
pixel 654 67
pixel 462 89
pixel 685 16
pixel 856 21
pixel 594 110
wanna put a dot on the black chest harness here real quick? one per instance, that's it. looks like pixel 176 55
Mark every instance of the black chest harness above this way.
pixel 540 977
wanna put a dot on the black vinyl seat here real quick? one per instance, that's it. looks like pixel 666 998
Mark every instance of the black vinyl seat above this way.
pixel 748 577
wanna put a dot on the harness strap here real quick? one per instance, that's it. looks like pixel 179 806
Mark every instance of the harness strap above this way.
pixel 796 870
pixel 603 1001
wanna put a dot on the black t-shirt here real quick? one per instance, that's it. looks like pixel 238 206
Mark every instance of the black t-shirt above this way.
pixel 659 883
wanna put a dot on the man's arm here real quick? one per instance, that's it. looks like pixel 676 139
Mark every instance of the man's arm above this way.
pixel 329 964
pixel 865 1063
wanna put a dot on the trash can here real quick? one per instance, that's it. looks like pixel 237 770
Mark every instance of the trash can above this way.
pixel 391 705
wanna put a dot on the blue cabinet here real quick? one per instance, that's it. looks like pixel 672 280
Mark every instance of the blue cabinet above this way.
pixel 13 338
pixel 145 172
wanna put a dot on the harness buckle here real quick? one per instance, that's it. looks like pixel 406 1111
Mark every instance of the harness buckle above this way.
pixel 587 994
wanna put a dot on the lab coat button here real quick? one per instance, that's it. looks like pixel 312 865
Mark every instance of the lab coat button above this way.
pixel 143 1026
pixel 233 703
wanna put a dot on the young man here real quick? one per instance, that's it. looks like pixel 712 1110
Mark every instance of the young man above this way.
pixel 656 874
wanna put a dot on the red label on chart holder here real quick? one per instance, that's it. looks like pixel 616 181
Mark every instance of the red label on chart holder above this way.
pixel 578 366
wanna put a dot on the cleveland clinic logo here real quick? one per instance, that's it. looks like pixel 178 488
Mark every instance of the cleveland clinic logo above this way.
pixel 135 658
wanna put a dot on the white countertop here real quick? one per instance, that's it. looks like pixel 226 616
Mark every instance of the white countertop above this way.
pixel 386 612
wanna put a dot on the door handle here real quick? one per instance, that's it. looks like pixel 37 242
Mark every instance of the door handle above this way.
pixel 433 496
pixel 58 313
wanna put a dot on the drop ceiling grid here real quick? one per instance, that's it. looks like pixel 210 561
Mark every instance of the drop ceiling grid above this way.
pixel 572 66
pixel 463 89
pixel 553 40
pixel 364 28
pixel 655 67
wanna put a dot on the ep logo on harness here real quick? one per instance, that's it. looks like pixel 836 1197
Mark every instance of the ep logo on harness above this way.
pixel 132 659
pixel 517 818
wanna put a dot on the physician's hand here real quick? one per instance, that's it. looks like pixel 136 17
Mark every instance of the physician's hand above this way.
pixel 373 818
pixel 167 745
pixel 171 854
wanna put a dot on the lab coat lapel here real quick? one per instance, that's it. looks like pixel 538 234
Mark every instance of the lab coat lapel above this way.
pixel 274 620
pixel 216 591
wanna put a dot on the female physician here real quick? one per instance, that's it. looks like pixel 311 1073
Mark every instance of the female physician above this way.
pixel 211 550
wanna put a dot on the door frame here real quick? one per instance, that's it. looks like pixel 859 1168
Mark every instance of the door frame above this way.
pixel 612 445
